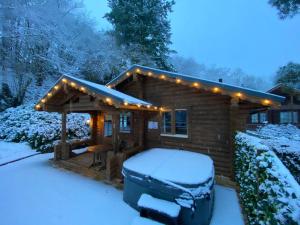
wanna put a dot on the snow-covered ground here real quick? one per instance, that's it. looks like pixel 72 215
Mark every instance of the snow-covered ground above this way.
pixel 33 192
pixel 282 138
pixel 11 151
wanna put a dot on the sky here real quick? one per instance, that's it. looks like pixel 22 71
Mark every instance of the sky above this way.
pixel 234 33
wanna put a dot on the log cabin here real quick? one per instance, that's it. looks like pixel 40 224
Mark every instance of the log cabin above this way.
pixel 287 113
pixel 146 107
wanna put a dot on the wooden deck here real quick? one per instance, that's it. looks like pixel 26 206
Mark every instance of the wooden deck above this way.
pixel 82 164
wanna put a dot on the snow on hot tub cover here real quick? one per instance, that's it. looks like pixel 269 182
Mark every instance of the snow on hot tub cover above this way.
pixel 177 166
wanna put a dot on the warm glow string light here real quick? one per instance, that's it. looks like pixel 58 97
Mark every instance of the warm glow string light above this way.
pixel 266 101
pixel 216 89
pixel 109 86
pixel 73 84
pixel 108 100
pixel 149 74
pixel 195 84
pixel 239 94
pixel 127 74
pixel 49 94
pixel 64 80
pixel 178 81
pixel 126 103
pixel 162 76
pixel 56 87
pixel 82 89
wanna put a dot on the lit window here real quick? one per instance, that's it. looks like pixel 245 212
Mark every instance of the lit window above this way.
pixel 167 123
pixel 180 121
pixel 254 118
pixel 107 126
pixel 288 117
pixel 125 122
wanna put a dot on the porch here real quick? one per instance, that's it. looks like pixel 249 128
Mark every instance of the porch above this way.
pixel 117 125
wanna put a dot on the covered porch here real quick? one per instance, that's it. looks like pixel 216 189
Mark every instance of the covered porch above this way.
pixel 116 122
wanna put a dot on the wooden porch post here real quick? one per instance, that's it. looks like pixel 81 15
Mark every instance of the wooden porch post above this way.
pixel 63 127
pixel 116 125
pixel 65 147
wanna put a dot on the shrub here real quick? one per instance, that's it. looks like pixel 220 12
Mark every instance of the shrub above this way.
pixel 40 129
pixel 269 193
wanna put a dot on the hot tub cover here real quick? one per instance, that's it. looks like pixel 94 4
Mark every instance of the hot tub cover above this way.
pixel 176 166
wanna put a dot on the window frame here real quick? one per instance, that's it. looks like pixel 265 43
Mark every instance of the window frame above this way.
pixel 121 128
pixel 173 124
pixel 107 121
pixel 293 117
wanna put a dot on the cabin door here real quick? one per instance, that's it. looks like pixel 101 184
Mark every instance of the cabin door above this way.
pixel 107 131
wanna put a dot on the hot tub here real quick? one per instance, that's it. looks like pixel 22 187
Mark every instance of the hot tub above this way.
pixel 184 177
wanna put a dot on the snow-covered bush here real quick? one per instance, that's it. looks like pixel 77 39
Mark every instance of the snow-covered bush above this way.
pixel 284 140
pixel 40 129
pixel 269 193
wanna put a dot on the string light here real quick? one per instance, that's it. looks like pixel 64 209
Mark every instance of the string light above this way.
pixel 148 106
pixel 109 86
pixel 149 74
pixel 239 94
pixel 155 107
pixel 162 76
pixel 139 105
pixel 73 84
pixel 38 106
pixel 195 84
pixel 82 89
pixel 178 81
pixel 267 102
pixel 127 74
pixel 138 70
pixel 43 100
pixel 108 99
pixel 64 80
pixel 216 89
pixel 88 121
pixel 56 87
pixel 49 94
pixel 126 103
pixel 161 108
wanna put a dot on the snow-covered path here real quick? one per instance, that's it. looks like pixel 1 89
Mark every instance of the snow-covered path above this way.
pixel 11 151
pixel 33 192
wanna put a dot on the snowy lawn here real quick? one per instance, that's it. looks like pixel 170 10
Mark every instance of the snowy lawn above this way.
pixel 33 192
pixel 10 151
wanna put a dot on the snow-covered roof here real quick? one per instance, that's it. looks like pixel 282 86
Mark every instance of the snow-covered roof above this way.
pixel 109 92
pixel 203 82
pixel 109 95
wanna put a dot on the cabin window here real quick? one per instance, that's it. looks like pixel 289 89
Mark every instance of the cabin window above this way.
pixel 174 123
pixel 107 126
pixel 167 123
pixel 288 117
pixel 181 121
pixel 125 122
pixel 263 117
pixel 259 117
pixel 254 118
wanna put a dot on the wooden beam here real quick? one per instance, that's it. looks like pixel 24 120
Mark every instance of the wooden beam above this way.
pixel 63 127
pixel 115 131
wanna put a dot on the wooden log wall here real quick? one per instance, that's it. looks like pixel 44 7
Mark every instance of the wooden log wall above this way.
pixel 212 119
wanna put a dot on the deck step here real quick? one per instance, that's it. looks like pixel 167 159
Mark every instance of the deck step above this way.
pixel 144 221
pixel 158 209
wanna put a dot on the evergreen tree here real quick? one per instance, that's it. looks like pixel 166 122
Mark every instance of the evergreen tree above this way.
pixel 289 75
pixel 142 26
pixel 286 8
